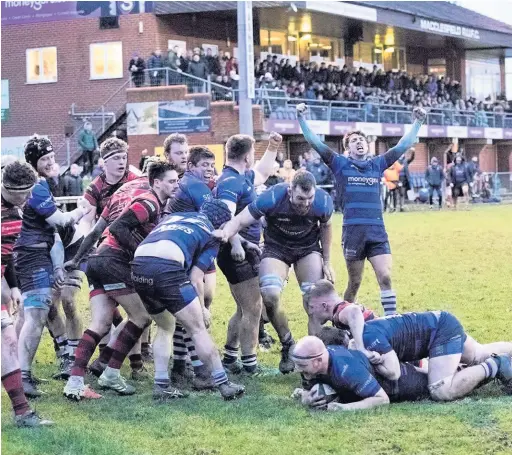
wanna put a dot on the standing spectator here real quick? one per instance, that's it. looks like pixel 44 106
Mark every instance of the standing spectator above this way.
pixel 55 181
pixel 154 63
pixel 173 59
pixel 280 158
pixel 287 172
pixel 392 180
pixel 434 176
pixel 211 63
pixel 89 145
pixel 474 177
pixel 405 177
pixel 459 178
pixel 275 177
pixel 143 159
pixel 136 68
pixel 98 169
pixel 197 68
pixel 319 170
pixel 73 185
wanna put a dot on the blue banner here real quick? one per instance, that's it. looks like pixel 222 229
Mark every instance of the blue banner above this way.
pixel 184 116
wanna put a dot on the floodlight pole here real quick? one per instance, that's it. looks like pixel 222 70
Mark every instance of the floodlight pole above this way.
pixel 245 65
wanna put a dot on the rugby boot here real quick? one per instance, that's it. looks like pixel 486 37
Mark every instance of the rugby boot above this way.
pixel 265 341
pixel 233 367
pixel 30 388
pixel 64 368
pixel 77 390
pixel 116 383
pixel 147 353
pixel 30 420
pixel 97 368
pixel 168 393
pixel 229 390
pixel 286 364
pixel 183 379
pixel 203 383
pixel 504 375
pixel 259 371
pixel 141 374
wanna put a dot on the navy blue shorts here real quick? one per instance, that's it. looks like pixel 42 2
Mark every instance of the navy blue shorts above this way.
pixel 449 338
pixel 238 272
pixel 360 242
pixel 288 255
pixel 411 386
pixel 162 284
pixel 34 269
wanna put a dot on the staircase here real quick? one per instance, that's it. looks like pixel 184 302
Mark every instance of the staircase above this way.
pixel 105 120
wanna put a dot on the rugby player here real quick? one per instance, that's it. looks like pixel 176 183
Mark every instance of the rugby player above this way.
pixel 298 233
pixel 351 375
pixel 39 255
pixel 17 182
pixel 176 151
pixel 108 273
pixel 193 190
pixel 239 259
pixel 168 273
pixel 437 335
pixel 358 179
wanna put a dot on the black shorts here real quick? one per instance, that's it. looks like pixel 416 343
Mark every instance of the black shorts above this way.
pixel 238 272
pixel 289 255
pixel 360 241
pixel 411 386
pixel 108 272
pixel 162 284
pixel 457 191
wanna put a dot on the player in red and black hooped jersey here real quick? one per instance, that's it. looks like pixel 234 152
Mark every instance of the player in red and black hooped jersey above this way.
pixel 108 273
pixel 18 179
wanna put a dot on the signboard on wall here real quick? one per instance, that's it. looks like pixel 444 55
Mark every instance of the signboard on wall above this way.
pixel 31 12
pixel 5 100
pixel 182 46
pixel 142 118
pixel 15 145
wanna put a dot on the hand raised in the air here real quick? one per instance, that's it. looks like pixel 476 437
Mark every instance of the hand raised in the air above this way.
pixel 419 114
pixel 275 139
pixel 301 108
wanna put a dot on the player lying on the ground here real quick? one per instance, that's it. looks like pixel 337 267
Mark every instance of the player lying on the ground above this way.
pixel 358 178
pixel 168 274
pixel 411 337
pixel 297 232
pixel 352 377
pixel 17 182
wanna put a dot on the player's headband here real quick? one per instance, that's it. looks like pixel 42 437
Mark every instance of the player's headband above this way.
pixel 111 153
pixel 17 188
pixel 307 357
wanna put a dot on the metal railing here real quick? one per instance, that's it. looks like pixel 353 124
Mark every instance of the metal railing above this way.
pixel 283 108
pixel 101 119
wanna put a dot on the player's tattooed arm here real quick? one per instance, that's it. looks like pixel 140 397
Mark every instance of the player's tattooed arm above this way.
pixel 325 152
pixel 381 398
pixel 265 166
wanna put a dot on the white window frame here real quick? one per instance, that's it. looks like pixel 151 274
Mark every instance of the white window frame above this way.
pixel 94 77
pixel 41 79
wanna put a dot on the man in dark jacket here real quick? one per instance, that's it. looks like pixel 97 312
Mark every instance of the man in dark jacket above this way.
pixel 434 176
pixel 404 182
pixel 89 144
pixel 474 176
pixel 73 185
pixel 320 171
pixel 197 68
pixel 136 68
pixel 154 62
pixel 459 180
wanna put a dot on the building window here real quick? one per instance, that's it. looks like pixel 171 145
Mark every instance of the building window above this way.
pixel 106 60
pixel 41 65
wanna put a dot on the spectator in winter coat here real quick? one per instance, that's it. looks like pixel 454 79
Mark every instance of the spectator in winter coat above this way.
pixel 98 169
pixel 88 144
pixel 459 180
pixel 474 172
pixel 319 170
pixel 434 175
pixel 197 68
pixel 136 67
pixel 72 185
pixel 287 172
pixel 405 177
pixel 154 62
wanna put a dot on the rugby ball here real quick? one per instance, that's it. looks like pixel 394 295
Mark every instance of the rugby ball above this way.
pixel 323 390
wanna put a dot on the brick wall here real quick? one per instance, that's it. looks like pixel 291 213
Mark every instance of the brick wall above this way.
pixel 420 162
pixel 504 157
pixel 487 155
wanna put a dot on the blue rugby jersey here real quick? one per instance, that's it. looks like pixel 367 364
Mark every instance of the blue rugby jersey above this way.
pixel 40 206
pixel 190 196
pixel 358 182
pixel 192 233
pixel 286 227
pixel 239 188
pixel 409 334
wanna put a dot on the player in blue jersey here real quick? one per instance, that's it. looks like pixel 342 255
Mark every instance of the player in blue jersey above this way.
pixel 39 255
pixel 298 232
pixel 410 337
pixel 168 273
pixel 239 260
pixel 193 191
pixel 358 179
pixel 352 376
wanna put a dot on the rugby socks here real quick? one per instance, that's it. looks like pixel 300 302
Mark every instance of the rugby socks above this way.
pixel 180 349
pixel 136 362
pixel 249 363
pixel 72 345
pixel 388 301
pixel 490 367
pixel 105 354
pixel 84 352
pixel 287 340
pixel 197 365
pixel 162 379
pixel 14 387
pixel 125 341
pixel 219 377
pixel 230 355
pixel 62 343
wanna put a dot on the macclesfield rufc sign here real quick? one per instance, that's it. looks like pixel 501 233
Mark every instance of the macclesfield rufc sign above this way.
pixel 449 29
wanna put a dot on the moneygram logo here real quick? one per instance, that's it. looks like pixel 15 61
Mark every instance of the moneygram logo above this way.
pixel 363 181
